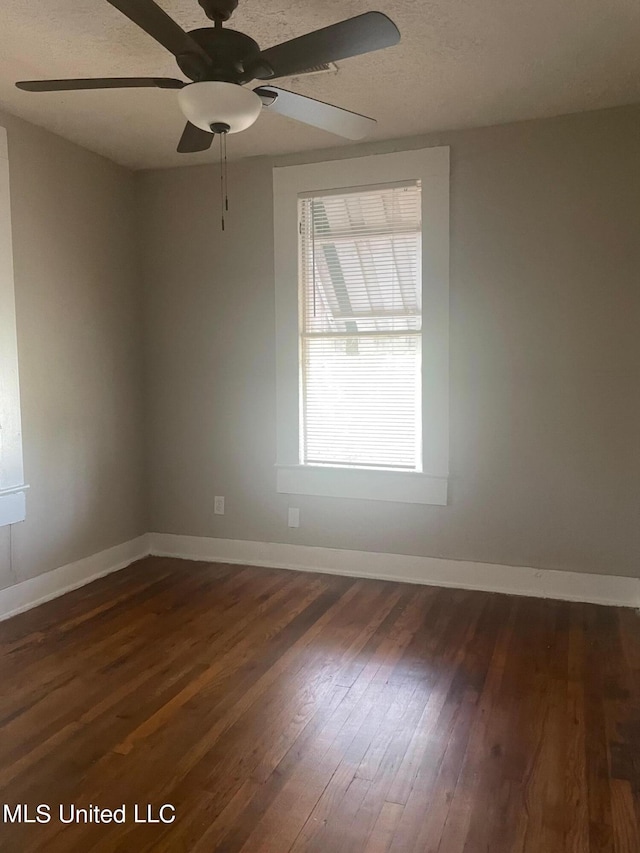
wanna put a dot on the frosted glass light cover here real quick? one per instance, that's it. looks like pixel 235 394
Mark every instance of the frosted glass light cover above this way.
pixel 211 102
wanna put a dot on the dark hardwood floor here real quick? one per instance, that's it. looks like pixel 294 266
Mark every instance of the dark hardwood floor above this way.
pixel 279 711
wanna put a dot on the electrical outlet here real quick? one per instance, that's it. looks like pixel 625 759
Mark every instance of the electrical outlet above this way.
pixel 218 505
pixel 294 516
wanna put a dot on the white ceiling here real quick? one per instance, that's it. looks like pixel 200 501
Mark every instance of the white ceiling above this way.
pixel 460 63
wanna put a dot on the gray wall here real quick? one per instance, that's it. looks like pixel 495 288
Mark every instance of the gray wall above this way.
pixel 545 355
pixel 79 340
pixel 545 295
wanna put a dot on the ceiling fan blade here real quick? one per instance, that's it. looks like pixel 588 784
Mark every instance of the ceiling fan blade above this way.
pixel 155 21
pixel 317 113
pixel 353 37
pixel 100 83
pixel 193 139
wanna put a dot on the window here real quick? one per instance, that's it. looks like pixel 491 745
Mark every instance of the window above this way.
pixel 361 261
pixel 12 487
pixel 360 329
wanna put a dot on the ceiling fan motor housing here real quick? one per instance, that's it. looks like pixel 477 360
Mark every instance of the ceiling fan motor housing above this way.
pixel 228 51
pixel 215 102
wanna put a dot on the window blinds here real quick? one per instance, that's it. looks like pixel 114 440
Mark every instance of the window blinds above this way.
pixel 360 327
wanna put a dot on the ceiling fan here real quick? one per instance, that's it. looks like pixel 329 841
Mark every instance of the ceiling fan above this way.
pixel 219 62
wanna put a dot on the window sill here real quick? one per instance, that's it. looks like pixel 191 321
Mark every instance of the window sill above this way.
pixel 362 484
pixel 13 505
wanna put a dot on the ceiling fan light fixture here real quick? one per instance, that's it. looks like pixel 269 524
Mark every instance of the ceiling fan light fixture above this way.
pixel 215 102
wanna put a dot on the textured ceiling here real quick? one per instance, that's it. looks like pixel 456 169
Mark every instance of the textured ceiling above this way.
pixel 460 63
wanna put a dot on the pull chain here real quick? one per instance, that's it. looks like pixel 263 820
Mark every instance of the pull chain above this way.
pixel 221 185
pixel 222 129
pixel 226 175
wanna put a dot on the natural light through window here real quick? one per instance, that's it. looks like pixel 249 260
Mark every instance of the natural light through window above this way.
pixel 12 485
pixel 360 327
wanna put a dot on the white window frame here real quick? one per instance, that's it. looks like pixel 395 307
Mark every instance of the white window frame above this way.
pixel 12 485
pixel 431 167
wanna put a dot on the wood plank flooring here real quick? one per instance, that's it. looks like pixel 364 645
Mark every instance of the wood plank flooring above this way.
pixel 279 711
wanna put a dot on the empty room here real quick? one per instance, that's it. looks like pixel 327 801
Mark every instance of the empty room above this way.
pixel 319 426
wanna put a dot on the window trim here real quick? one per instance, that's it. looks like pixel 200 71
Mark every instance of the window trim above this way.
pixel 12 485
pixel 431 167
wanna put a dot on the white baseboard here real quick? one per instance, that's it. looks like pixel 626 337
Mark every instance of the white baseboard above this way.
pixel 27 594
pixel 516 580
